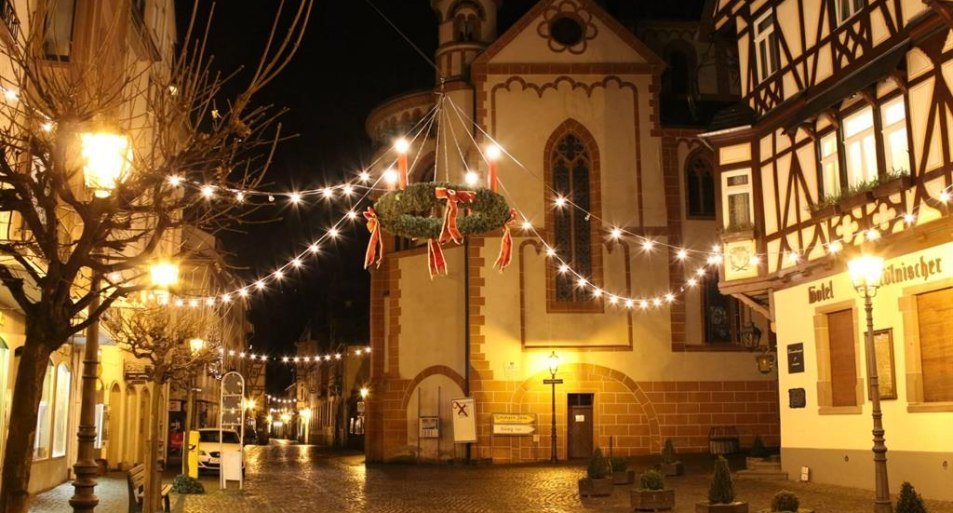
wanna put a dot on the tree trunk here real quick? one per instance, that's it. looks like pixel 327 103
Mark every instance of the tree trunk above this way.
pixel 153 484
pixel 18 454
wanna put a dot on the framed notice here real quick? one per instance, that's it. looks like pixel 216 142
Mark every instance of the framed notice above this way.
pixel 429 427
pixel 886 375
pixel 797 398
pixel 795 358
pixel 463 412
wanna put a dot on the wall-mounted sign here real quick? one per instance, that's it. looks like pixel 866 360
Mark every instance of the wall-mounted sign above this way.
pixel 429 427
pixel 518 424
pixel 795 358
pixel 822 292
pixel 463 412
pixel 797 398
pixel 921 269
pixel 886 377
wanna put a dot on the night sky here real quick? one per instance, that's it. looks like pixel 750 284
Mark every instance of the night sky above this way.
pixel 350 60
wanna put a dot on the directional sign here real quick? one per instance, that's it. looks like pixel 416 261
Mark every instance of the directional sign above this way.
pixel 514 418
pixel 513 429
pixel 515 424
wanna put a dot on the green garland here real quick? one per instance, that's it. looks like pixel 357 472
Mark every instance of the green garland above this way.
pixel 410 213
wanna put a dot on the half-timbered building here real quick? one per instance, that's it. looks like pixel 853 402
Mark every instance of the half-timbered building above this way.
pixel 841 147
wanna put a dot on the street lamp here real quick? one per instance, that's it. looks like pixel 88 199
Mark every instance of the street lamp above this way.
pixel 164 275
pixel 553 367
pixel 365 392
pixel 196 346
pixel 866 274
pixel 106 158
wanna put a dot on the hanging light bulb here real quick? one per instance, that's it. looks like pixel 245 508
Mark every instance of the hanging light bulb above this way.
pixel 471 178
pixel 560 202
pixel 563 269
pixel 348 190
pixel 333 232
pixel 207 191
pixel 364 176
pixel 682 254
pixel 648 245
pixel 175 180
pixel 616 233
pixel 835 247
pixel 527 226
pixel 296 263
pixel 295 198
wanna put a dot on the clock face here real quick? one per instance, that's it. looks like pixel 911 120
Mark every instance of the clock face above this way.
pixel 739 258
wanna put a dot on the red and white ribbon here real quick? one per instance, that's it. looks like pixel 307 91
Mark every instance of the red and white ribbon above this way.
pixel 506 244
pixel 375 246
pixel 450 231
pixel 435 259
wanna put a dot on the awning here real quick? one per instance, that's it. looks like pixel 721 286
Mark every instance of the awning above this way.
pixel 873 71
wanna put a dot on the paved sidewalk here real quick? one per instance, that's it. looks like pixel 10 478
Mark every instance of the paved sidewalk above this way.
pixel 298 479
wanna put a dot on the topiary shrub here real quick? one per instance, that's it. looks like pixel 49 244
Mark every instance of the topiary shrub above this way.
pixel 668 452
pixel 909 500
pixel 758 450
pixel 651 480
pixel 785 501
pixel 185 485
pixel 598 466
pixel 722 491
pixel 619 464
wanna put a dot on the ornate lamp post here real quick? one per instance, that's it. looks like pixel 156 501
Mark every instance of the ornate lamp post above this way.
pixel 866 274
pixel 106 159
pixel 553 367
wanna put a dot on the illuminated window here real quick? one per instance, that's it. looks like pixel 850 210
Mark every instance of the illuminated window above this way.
pixel 767 56
pixel 58 36
pixel 896 149
pixel 830 167
pixel 738 210
pixel 61 410
pixel 860 147
pixel 571 163
pixel 44 418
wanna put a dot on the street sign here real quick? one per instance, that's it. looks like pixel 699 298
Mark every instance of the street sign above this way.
pixel 514 429
pixel 514 418
pixel 553 381
pixel 514 424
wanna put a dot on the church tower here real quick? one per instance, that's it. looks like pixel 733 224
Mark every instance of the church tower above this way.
pixel 467 27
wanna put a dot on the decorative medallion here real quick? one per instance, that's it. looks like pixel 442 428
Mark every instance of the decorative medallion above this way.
pixel 567 26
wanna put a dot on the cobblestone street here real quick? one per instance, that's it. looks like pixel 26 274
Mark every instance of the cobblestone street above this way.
pixel 285 478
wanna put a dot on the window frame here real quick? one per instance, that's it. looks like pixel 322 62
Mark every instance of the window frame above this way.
pixel 841 17
pixel 860 138
pixel 897 126
pixel 690 176
pixel 768 35
pixel 728 190
pixel 72 35
pixel 834 159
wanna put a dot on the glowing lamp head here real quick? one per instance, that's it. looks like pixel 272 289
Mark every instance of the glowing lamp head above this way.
pixel 866 273
pixel 106 158
pixel 553 362
pixel 365 392
pixel 402 146
pixel 196 345
pixel 164 275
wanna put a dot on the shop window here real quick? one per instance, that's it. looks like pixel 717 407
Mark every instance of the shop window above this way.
pixel 830 166
pixel 722 315
pixel 843 359
pixel 44 418
pixel 738 208
pixel 935 323
pixel 767 56
pixel 700 185
pixel 570 163
pixel 860 147
pixel 896 147
pixel 61 410
pixel 847 8
pixel 58 35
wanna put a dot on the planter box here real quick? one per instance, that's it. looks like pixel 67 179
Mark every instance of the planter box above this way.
pixel 672 469
pixel 885 190
pixel 825 212
pixel 625 477
pixel 856 201
pixel 652 500
pixel 734 507
pixel 595 487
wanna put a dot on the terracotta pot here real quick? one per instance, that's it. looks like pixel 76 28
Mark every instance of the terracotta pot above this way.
pixel 734 507
pixel 653 500
pixel 595 487
pixel 672 469
pixel 624 477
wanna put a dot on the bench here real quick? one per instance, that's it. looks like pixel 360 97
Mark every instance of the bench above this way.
pixel 136 479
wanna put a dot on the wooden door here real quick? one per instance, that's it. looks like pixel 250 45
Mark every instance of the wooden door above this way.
pixel 580 426
pixel 843 358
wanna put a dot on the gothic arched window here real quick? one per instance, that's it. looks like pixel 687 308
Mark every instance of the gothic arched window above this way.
pixel 700 187
pixel 467 17
pixel 570 163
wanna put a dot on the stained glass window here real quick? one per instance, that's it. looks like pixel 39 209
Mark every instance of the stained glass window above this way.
pixel 571 163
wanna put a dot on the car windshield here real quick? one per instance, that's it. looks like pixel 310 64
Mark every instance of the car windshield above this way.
pixel 228 437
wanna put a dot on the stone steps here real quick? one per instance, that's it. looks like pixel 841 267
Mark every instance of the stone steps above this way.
pixel 765 469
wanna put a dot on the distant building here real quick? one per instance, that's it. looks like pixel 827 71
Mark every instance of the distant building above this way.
pixel 607 116
pixel 841 147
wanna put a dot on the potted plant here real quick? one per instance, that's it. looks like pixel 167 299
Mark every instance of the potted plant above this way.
pixel 597 482
pixel 621 475
pixel 651 493
pixel 786 502
pixel 909 500
pixel 892 183
pixel 670 465
pixel 721 494
pixel 757 453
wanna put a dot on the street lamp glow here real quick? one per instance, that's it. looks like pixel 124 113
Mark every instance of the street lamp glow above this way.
pixel 196 345
pixel 164 275
pixel 107 157
pixel 365 392
pixel 553 362
pixel 866 272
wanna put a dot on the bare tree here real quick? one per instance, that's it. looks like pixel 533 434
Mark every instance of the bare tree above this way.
pixel 69 226
pixel 164 337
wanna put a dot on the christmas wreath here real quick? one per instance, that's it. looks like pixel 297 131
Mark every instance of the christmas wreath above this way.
pixel 440 213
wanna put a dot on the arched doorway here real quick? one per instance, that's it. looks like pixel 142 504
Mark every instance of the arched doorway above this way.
pixel 145 397
pixel 114 441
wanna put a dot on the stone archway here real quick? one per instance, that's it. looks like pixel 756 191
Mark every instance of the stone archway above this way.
pixel 622 410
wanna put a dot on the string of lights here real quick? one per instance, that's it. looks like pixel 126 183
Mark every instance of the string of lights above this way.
pixel 295 359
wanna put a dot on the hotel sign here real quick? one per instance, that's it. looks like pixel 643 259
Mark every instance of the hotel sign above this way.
pixel 923 269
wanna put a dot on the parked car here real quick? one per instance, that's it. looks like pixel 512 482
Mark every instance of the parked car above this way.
pixel 210 456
